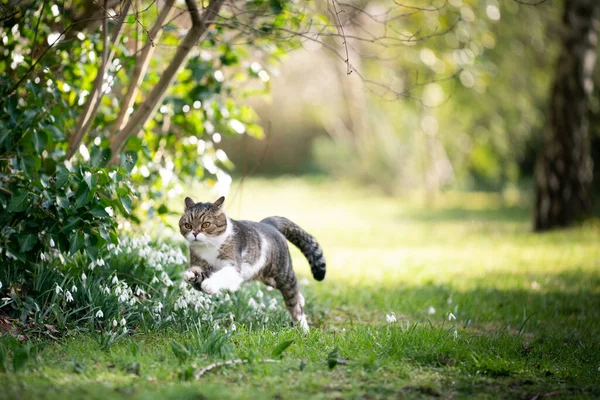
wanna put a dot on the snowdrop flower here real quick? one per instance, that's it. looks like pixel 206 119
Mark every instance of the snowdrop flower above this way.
pixel 115 280
pixel 83 277
pixel 391 318
pixel 0 284
pixel 431 310
pixel 43 256
pixel 52 244
pixel 68 296
pixel 252 303
pixel 114 323
pixel 259 294
pixel 100 262
pixel 272 304
pixel 99 314
pixel 125 330
pixel 123 321
pixel 451 317
pixel 58 289
pixel 74 289
pixel 455 334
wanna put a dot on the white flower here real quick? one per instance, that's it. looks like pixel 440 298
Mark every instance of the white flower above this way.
pixel 99 314
pixel 100 262
pixel 83 276
pixel 451 317
pixel 125 330
pixel 52 244
pixel 68 296
pixel 259 294
pixel 115 323
pixel 431 310
pixel 74 289
pixel 455 334
pixel 123 321
pixel 252 303
pixel 391 318
pixel 0 284
pixel 43 256
pixel 58 289
pixel 115 280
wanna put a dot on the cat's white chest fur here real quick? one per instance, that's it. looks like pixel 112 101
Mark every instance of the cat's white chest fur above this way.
pixel 209 249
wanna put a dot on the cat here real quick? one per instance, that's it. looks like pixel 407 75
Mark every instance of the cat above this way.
pixel 224 253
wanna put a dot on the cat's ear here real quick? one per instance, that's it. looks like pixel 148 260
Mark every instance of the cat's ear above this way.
pixel 189 203
pixel 217 204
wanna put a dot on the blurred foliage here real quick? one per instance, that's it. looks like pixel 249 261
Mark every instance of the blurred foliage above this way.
pixel 60 216
pixel 474 79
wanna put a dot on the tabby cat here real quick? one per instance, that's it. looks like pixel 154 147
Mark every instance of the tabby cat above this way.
pixel 224 253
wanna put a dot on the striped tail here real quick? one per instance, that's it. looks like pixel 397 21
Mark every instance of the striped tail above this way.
pixel 304 241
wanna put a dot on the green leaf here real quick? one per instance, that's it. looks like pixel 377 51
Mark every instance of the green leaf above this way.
pixel 82 196
pixel 27 242
pixel 40 139
pixel 128 160
pixel 126 203
pixel 332 359
pixel 63 202
pixel 72 222
pixel 281 347
pixel 62 176
pixel 90 179
pixel 99 212
pixel 77 241
pixel 17 202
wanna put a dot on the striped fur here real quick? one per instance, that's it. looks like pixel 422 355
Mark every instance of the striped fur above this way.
pixel 302 240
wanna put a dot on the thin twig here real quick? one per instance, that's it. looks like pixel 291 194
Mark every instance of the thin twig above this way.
pixel 341 27
pixel 204 370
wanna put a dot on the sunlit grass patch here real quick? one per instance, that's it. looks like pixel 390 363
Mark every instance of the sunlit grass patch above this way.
pixel 482 308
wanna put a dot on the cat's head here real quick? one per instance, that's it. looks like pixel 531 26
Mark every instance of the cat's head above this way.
pixel 202 221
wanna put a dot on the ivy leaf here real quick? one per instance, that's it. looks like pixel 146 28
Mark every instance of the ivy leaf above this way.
pixel 17 202
pixel 77 241
pixel 27 242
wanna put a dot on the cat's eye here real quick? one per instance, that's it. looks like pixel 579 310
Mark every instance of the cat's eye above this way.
pixel 187 226
pixel 205 225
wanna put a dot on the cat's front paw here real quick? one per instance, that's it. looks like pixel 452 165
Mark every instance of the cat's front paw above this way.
pixel 189 276
pixel 210 287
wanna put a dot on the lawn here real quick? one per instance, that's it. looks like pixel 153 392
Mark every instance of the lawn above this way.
pixel 482 308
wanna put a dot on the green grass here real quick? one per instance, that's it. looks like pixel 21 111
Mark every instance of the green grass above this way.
pixel 527 310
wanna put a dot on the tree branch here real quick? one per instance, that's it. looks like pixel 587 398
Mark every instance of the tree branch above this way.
pixel 149 106
pixel 141 67
pixel 93 101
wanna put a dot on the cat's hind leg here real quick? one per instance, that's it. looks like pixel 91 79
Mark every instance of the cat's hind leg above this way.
pixel 294 301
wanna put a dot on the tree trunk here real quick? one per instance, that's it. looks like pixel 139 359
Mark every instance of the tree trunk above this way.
pixel 147 109
pixel 564 169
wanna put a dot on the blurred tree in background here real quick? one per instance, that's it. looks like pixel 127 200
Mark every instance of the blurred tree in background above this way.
pixel 564 173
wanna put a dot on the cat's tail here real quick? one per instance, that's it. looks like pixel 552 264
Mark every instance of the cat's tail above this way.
pixel 304 241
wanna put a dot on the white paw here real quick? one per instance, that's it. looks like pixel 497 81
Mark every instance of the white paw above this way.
pixel 210 287
pixel 303 324
pixel 189 276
